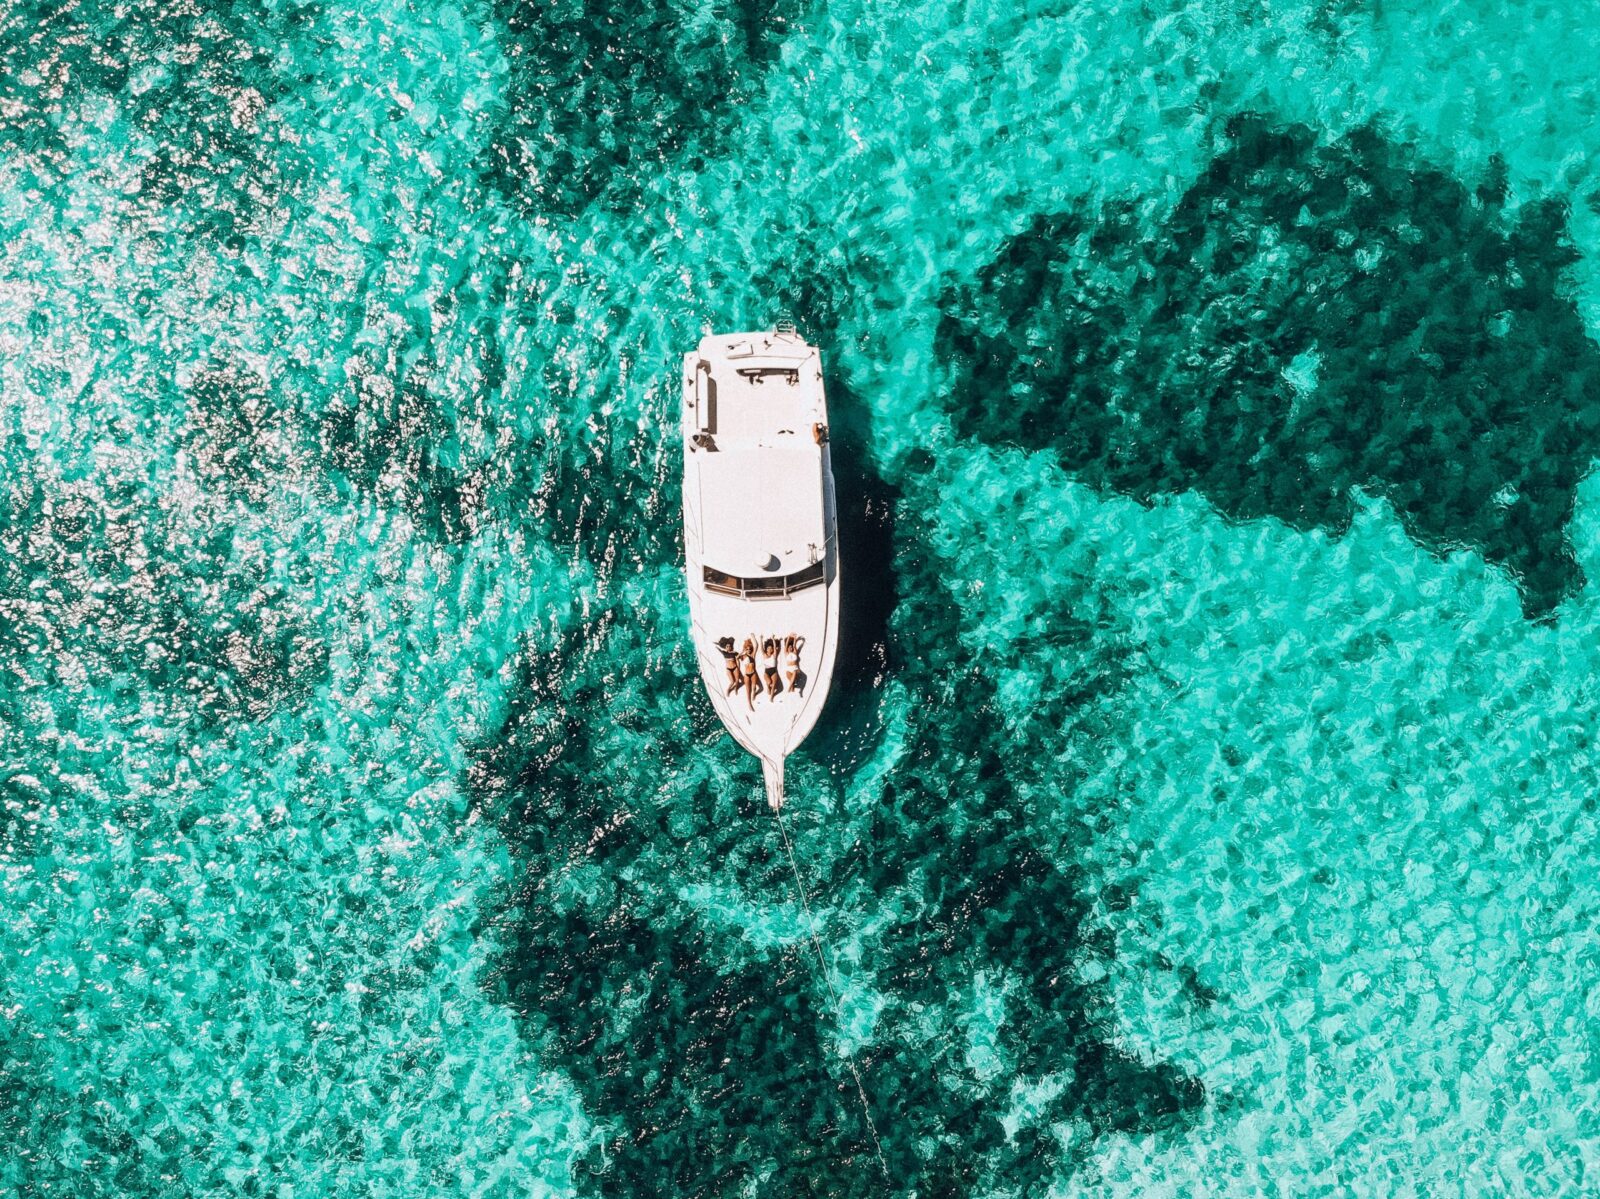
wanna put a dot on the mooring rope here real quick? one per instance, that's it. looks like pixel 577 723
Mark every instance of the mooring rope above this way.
pixel 833 991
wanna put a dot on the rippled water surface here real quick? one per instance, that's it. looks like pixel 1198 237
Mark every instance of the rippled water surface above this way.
pixel 1206 804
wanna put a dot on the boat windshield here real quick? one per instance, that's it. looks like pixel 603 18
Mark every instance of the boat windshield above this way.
pixel 765 588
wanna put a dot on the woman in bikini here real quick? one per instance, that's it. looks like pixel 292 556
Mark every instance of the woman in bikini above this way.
pixel 769 650
pixel 747 668
pixel 791 663
pixel 730 660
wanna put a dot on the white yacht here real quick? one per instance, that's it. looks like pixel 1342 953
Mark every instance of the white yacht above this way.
pixel 760 538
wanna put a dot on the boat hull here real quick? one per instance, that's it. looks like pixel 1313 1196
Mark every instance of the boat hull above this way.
pixel 761 538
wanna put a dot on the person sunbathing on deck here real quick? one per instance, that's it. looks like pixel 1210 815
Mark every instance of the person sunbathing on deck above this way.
pixel 747 668
pixel 730 660
pixel 769 650
pixel 791 663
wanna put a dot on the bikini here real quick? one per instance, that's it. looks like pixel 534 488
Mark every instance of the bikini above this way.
pixel 730 661
pixel 791 662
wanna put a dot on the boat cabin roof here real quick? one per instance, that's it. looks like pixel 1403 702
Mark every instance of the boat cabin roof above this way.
pixel 761 509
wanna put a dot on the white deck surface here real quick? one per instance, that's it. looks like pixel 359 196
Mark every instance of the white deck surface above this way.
pixel 760 502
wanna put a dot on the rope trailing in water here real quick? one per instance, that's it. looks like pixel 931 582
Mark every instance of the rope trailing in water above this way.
pixel 833 991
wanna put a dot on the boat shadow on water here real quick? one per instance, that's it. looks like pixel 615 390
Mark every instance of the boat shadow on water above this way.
pixel 851 724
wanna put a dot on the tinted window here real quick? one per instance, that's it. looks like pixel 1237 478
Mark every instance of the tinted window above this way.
pixel 764 588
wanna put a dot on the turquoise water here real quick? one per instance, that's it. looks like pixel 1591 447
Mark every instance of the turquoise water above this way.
pixel 1207 800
